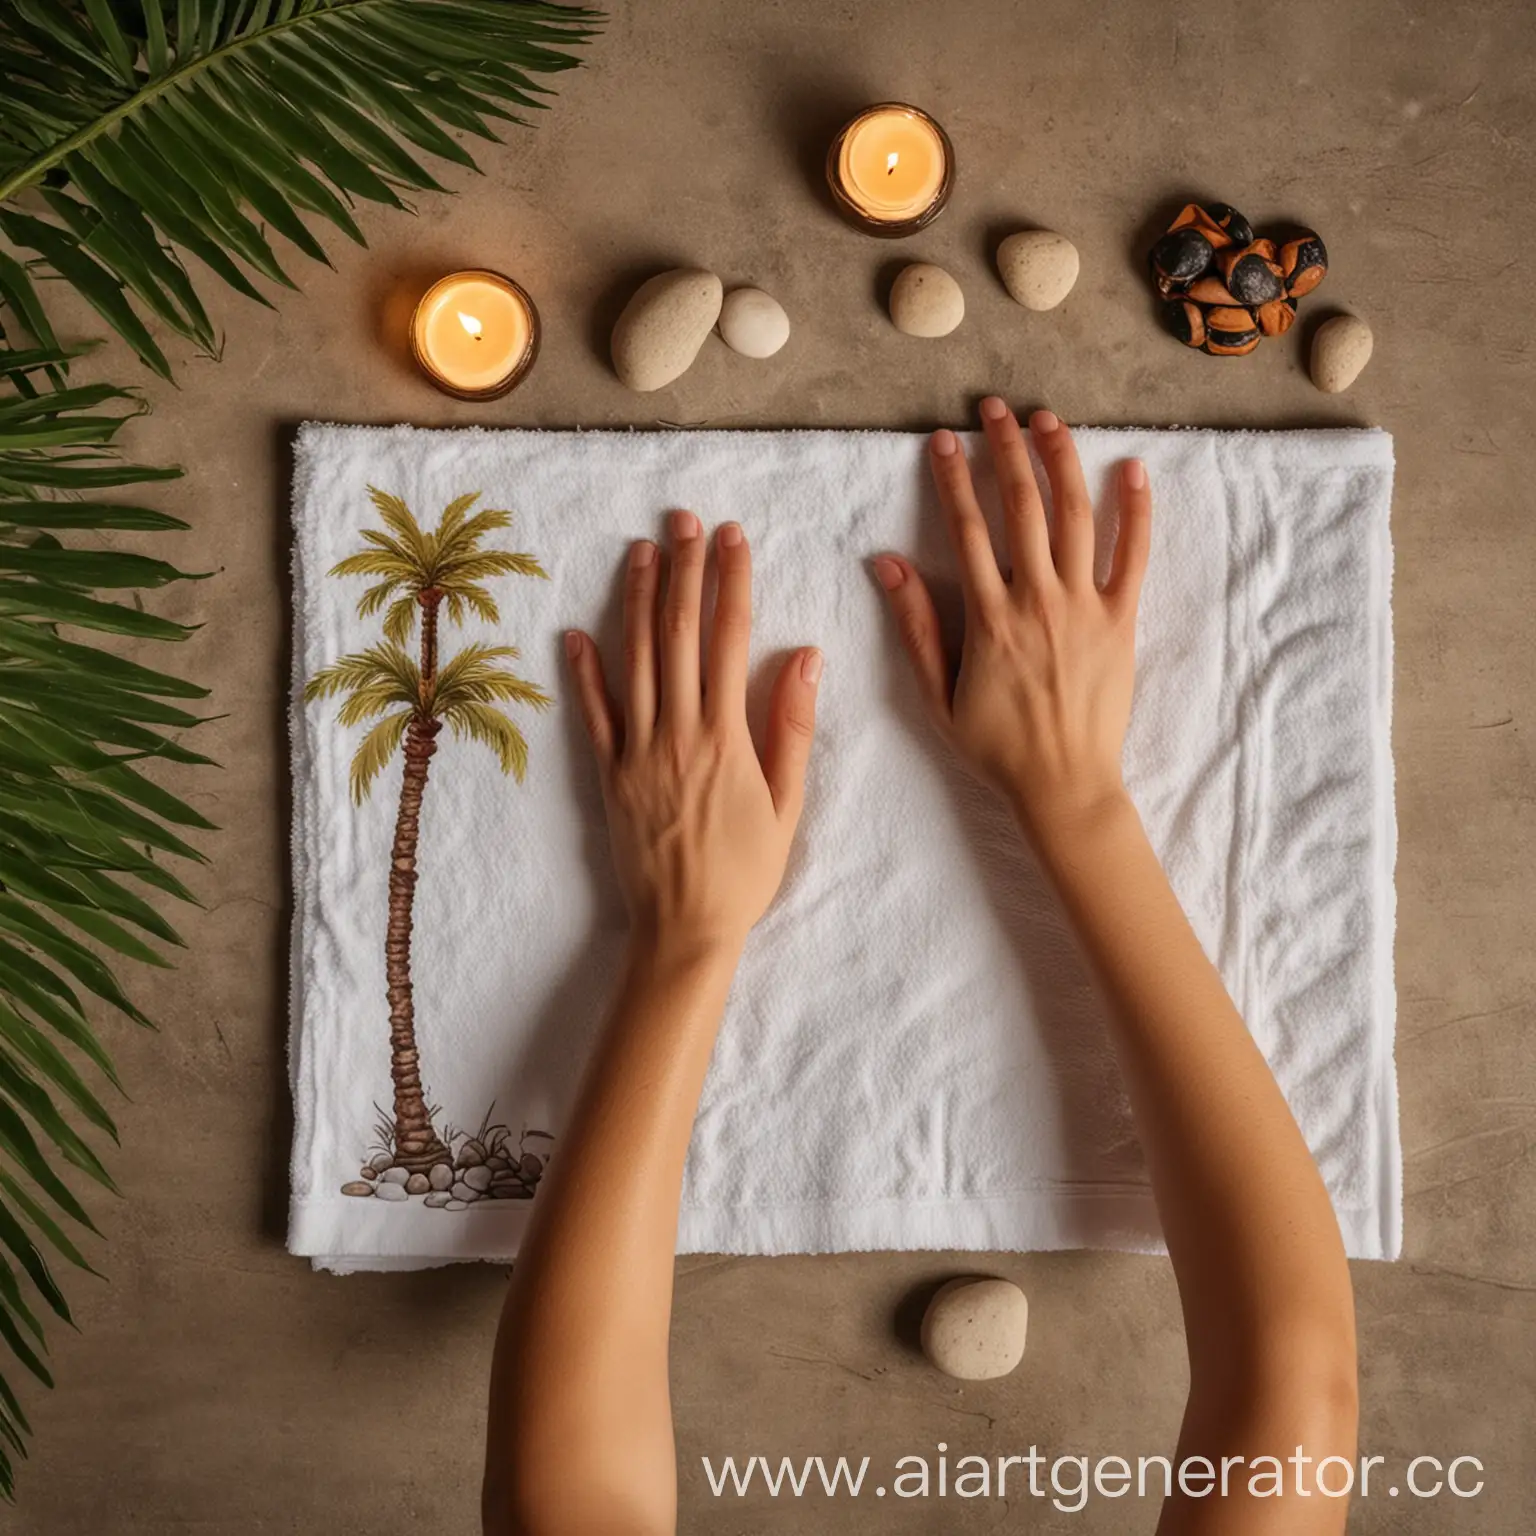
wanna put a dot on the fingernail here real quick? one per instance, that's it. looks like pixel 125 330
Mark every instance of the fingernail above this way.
pixel 889 573
pixel 810 667
pixel 730 535
pixel 993 408
pixel 1044 422
pixel 573 643
pixel 641 554
pixel 944 442
pixel 684 525
pixel 1135 474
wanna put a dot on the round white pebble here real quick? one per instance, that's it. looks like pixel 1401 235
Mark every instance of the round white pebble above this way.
pixel 975 1329
pixel 926 301
pixel 663 326
pixel 753 323
pixel 1340 350
pixel 1038 267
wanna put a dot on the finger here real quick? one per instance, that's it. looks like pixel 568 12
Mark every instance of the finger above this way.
pixel 1029 540
pixel 1072 533
pixel 791 729
pixel 979 575
pixel 1133 543
pixel 918 622
pixel 591 694
pixel 730 640
pixel 680 622
pixel 640 644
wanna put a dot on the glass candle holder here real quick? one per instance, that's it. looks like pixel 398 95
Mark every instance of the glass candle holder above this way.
pixel 475 334
pixel 891 170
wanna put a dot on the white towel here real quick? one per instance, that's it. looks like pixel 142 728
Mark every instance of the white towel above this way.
pixel 912 1056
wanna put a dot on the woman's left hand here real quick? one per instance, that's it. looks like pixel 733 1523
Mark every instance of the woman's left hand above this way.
pixel 701 827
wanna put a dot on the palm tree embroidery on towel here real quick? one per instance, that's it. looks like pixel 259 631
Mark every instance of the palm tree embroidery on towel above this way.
pixel 410 698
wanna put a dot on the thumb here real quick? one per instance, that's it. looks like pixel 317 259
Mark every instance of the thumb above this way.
pixel 791 729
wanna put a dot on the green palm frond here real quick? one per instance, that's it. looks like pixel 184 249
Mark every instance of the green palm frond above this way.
pixel 471 663
pixel 381 669
pixel 207 126
pixel 482 723
pixel 413 547
pixel 459 534
pixel 387 562
pixel 142 131
pixel 483 684
pixel 83 832
pixel 376 749
pixel 462 571
pixel 400 619
pixel 408 560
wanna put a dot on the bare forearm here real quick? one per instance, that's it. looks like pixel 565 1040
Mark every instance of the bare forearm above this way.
pixel 580 1435
pixel 1250 1228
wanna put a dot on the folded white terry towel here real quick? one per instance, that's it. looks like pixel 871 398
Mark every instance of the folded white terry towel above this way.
pixel 913 1056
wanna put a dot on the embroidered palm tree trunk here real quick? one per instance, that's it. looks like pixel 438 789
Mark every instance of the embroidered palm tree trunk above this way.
pixel 417 1144
pixel 408 700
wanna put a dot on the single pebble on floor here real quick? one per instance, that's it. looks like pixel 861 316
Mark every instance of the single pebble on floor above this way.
pixel 926 301
pixel 437 1199
pixel 1340 350
pixel 1038 267
pixel 357 1187
pixel 455 1205
pixel 383 1191
pixel 663 326
pixel 753 323
pixel 974 1329
pixel 417 1184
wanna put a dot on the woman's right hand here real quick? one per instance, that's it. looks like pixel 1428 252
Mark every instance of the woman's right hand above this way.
pixel 1042 697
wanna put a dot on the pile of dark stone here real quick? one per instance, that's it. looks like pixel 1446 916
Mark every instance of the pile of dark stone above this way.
pixel 475 1172
pixel 1223 288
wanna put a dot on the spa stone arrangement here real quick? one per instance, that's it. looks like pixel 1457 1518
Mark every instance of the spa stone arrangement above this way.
pixel 486 1165
pixel 1222 289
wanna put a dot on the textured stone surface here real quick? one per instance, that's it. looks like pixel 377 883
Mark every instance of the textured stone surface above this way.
pixel 696 132
pixel 1038 267
pixel 753 323
pixel 1340 350
pixel 926 301
pixel 975 1328
pixel 670 316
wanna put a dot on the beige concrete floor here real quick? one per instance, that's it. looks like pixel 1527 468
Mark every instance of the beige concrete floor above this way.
pixel 216 1384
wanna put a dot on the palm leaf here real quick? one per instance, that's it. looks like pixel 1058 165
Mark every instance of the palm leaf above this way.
pixel 487 725
pixel 379 667
pixel 76 814
pixel 471 675
pixel 219 126
pixel 376 749
pixel 146 131
pixel 465 570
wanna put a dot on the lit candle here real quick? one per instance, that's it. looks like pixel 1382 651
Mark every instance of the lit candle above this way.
pixel 475 334
pixel 891 169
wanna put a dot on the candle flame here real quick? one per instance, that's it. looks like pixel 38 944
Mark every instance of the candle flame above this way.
pixel 890 162
pixel 471 324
